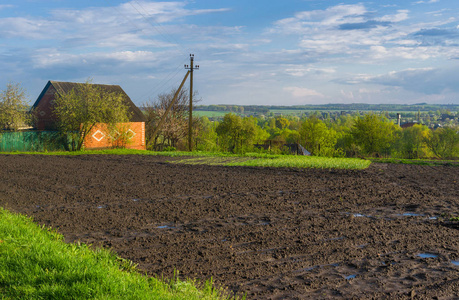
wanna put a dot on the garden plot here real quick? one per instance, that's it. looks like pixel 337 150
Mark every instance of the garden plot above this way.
pixel 274 233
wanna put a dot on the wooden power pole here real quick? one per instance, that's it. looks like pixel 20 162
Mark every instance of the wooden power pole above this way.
pixel 191 67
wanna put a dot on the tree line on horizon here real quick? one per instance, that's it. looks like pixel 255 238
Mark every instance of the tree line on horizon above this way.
pixel 347 135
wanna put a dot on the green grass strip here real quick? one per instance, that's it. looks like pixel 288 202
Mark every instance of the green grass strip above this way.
pixel 285 161
pixel 121 152
pixel 306 162
pixel 35 263
pixel 227 159
pixel 422 162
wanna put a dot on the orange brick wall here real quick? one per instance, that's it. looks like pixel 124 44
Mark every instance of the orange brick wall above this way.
pixel 99 137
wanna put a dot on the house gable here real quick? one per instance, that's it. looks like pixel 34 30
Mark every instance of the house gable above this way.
pixel 99 137
pixel 43 105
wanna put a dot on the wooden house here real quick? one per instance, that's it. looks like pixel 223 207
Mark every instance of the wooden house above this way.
pixel 98 137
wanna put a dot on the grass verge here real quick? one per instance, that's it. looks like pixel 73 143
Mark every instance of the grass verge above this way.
pixel 35 263
pixel 226 159
pixel 422 162
pixel 290 161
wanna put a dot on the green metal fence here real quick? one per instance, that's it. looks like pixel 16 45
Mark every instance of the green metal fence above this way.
pixel 33 141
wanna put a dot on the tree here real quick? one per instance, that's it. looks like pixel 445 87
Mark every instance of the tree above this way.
pixel 229 132
pixel 317 137
pixel 282 122
pixel 79 110
pixel 444 142
pixel 13 107
pixel 175 126
pixel 205 135
pixel 374 134
pixel 238 134
pixel 411 142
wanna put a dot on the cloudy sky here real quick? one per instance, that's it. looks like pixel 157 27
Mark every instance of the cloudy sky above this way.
pixel 265 52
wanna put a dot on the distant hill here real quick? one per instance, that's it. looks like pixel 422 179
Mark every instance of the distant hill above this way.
pixel 329 107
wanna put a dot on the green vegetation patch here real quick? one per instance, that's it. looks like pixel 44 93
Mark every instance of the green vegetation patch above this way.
pixel 306 162
pixel 35 263
pixel 213 161
pixel 286 161
pixel 422 162
pixel 209 114
pixel 226 159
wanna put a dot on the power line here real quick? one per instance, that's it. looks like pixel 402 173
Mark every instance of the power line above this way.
pixel 157 27
pixel 161 85
pixel 168 37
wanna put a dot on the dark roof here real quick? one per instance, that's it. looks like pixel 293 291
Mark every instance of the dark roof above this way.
pixel 65 87
pixel 409 124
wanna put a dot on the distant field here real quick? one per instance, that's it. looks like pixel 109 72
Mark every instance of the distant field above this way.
pixel 290 112
pixel 301 111
pixel 209 114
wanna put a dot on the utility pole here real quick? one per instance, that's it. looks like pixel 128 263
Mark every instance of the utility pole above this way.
pixel 191 67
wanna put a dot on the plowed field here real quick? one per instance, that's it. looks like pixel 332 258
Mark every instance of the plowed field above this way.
pixel 383 232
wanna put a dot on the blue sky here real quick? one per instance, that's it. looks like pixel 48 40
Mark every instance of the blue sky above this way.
pixel 288 52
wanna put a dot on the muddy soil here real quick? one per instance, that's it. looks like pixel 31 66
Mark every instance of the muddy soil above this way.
pixel 271 233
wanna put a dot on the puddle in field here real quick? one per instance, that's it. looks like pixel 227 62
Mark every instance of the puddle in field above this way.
pixel 334 239
pixel 351 276
pixel 135 200
pixel 455 262
pixel 427 255
pixel 359 215
pixel 389 216
pixel 101 206
pixel 165 227
pixel 412 215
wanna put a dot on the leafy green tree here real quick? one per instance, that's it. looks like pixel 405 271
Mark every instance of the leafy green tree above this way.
pixel 236 134
pixel 13 107
pixel 317 138
pixel 282 122
pixel 79 110
pixel 444 142
pixel 205 135
pixel 373 134
pixel 229 132
pixel 411 142
pixel 345 143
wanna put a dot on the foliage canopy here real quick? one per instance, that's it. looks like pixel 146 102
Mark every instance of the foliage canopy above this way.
pixel 13 107
pixel 80 109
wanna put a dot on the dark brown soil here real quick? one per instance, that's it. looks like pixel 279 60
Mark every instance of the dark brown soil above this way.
pixel 270 233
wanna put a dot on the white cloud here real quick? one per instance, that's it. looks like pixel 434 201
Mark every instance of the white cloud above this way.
pixel 299 71
pixel 310 21
pixel 5 6
pixel 426 2
pixel 414 53
pixel 33 29
pixel 49 58
pixel 299 92
pixel 401 15
pixel 163 12
pixel 428 81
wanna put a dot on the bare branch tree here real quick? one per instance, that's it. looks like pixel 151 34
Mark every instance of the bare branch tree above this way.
pixel 175 127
